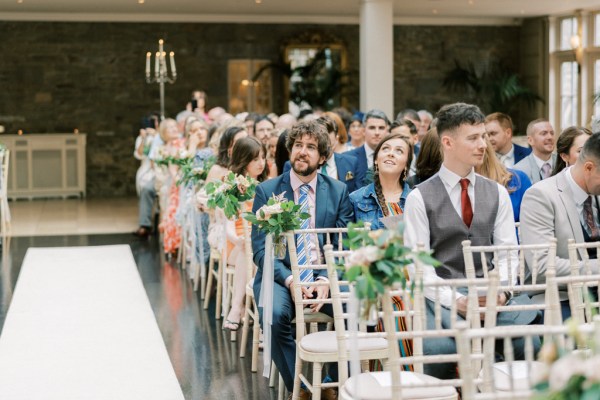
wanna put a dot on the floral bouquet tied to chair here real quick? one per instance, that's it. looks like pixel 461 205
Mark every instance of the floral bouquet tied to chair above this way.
pixel 277 217
pixel 230 193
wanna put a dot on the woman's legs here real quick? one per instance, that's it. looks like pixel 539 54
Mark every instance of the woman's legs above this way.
pixel 239 292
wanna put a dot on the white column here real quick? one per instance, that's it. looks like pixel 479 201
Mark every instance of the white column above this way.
pixel 377 56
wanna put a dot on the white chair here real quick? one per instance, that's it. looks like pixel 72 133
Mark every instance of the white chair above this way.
pixel 250 307
pixel 214 275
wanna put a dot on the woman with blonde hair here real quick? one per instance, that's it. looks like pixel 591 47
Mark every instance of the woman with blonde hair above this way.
pixel 515 181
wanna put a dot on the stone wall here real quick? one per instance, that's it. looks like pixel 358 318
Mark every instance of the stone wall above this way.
pixel 55 77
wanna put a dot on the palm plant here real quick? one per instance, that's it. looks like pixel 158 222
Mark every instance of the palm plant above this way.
pixel 495 88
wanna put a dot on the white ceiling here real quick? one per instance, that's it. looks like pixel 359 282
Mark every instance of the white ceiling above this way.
pixel 286 11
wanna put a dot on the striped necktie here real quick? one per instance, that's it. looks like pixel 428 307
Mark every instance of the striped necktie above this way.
pixel 303 240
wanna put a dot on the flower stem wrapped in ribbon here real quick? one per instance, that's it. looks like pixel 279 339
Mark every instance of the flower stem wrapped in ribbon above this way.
pixel 277 216
pixel 230 193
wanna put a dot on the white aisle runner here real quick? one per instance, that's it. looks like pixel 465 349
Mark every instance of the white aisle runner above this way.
pixel 80 326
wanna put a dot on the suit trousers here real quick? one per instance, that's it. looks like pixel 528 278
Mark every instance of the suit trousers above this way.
pixel 147 196
pixel 447 345
pixel 283 343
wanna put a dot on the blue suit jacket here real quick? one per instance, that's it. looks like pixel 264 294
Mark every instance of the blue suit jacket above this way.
pixel 333 210
pixel 521 152
pixel 362 165
pixel 347 167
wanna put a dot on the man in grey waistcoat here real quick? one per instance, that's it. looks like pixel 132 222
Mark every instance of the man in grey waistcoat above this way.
pixel 455 205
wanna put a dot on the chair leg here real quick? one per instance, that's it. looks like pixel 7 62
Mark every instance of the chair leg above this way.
pixel 296 390
pixel 274 373
pixel 316 381
pixel 281 391
pixel 210 276
pixel 255 342
pixel 246 326
pixel 219 284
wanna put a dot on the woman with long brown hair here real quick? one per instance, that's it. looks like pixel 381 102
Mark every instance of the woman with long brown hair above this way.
pixel 387 194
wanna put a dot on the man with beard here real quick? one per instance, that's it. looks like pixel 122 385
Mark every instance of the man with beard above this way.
pixel 309 147
pixel 539 164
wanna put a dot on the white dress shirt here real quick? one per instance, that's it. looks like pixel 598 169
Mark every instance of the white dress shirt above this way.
pixel 331 167
pixel 508 159
pixel 540 163
pixel 369 152
pixel 417 229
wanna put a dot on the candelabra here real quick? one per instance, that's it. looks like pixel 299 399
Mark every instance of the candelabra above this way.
pixel 161 74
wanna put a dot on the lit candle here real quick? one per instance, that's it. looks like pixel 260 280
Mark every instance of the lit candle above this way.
pixel 163 62
pixel 76 131
pixel 156 64
pixel 148 64
pixel 172 59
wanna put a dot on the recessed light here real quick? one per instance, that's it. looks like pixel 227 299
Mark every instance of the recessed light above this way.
pixel 141 1
pixel 20 1
pixel 434 11
pixel 258 1
pixel 471 2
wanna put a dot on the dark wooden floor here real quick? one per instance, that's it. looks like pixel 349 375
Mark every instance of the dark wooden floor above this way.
pixel 206 363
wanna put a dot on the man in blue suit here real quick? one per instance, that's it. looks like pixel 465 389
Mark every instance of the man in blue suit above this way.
pixel 309 147
pixel 340 166
pixel 499 128
pixel 376 128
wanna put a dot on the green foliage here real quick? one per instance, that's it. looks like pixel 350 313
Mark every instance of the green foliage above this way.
pixel 277 216
pixel 194 175
pixel 229 193
pixel 379 260
pixel 494 88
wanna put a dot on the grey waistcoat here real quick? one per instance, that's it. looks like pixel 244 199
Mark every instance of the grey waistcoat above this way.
pixel 447 229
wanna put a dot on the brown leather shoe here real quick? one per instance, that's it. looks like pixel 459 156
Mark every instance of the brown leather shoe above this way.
pixel 303 395
pixel 329 394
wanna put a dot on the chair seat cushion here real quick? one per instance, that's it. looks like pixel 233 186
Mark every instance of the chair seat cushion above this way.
pixel 377 386
pixel 520 373
pixel 326 342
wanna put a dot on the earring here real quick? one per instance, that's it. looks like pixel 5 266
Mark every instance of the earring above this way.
pixel 375 168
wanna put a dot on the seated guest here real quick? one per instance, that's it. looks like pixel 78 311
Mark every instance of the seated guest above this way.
pixel 387 194
pixel 429 159
pixel 406 128
pixel 499 127
pixel 426 119
pixel 340 145
pixel 376 128
pixel 282 156
pixel 457 205
pixel 342 167
pixel 262 129
pixel 356 131
pixel 515 181
pixel 564 207
pixel 226 143
pixel 309 147
pixel 538 165
pixel 568 146
pixel 247 159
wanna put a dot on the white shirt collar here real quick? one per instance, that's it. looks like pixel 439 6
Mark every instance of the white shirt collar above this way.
pixel 369 151
pixel 579 195
pixel 508 156
pixel 540 163
pixel 451 179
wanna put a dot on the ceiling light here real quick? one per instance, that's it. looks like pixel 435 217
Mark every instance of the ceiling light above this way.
pixel 20 1
pixel 434 11
pixel 471 2
pixel 141 1
pixel 258 1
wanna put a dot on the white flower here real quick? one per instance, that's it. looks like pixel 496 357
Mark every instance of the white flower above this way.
pixel 268 211
pixel 563 369
pixel 184 154
pixel 364 256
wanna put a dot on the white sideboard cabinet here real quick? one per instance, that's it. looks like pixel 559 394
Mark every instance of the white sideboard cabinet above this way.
pixel 46 165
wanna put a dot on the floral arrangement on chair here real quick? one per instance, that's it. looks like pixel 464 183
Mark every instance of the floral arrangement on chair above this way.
pixel 276 217
pixel 194 175
pixel 229 193
pixel 178 157
pixel 569 375
pixel 378 261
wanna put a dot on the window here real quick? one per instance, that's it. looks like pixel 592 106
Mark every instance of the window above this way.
pixel 568 94
pixel 597 30
pixel 568 28
pixel 246 94
pixel 596 110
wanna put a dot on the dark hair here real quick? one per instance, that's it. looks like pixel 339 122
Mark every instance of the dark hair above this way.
pixel 281 152
pixel 225 143
pixel 408 113
pixel 591 148
pixel 377 114
pixel 452 116
pixel 405 122
pixel 261 118
pixel 430 158
pixel 244 151
pixel 312 129
pixel 564 144
pixel 377 183
pixel 328 123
